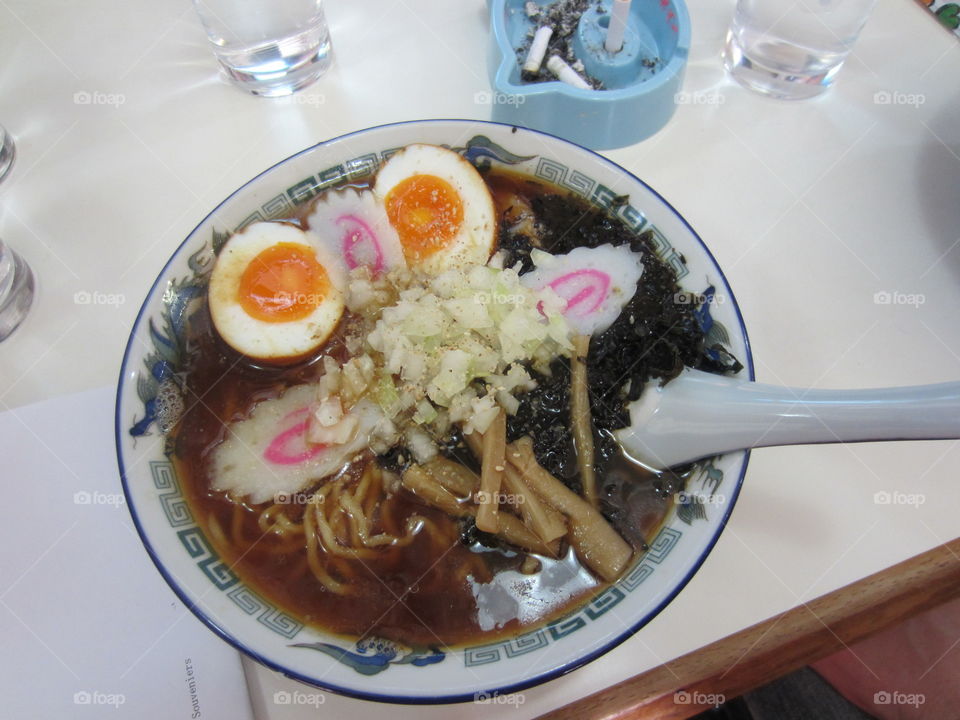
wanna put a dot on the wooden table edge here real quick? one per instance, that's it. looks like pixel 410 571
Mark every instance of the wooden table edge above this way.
pixel 779 645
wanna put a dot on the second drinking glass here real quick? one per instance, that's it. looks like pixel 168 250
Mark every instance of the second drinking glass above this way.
pixel 792 49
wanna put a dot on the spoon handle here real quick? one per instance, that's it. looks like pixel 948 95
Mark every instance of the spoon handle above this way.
pixel 700 415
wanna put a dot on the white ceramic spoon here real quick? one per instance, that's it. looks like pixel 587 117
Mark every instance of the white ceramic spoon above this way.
pixel 700 415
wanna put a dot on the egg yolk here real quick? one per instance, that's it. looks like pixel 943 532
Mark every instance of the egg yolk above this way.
pixel 426 212
pixel 283 283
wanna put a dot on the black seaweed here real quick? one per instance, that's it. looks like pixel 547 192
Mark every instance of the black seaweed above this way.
pixel 453 447
pixel 656 336
pixel 544 415
pixel 517 247
pixel 471 535
pixel 395 460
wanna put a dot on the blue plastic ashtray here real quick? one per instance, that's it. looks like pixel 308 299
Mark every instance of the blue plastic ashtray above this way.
pixel 639 82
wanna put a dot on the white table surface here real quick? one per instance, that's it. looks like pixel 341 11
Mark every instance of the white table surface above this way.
pixel 811 209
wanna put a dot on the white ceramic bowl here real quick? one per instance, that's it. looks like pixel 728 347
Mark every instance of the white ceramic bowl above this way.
pixel 148 397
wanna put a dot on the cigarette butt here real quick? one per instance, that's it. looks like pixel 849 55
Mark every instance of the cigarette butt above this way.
pixel 566 74
pixel 538 48
pixel 618 26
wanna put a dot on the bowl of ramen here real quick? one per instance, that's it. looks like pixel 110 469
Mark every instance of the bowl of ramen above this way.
pixel 367 417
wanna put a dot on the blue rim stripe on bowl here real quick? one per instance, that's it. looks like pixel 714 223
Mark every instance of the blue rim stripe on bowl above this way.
pixel 409 699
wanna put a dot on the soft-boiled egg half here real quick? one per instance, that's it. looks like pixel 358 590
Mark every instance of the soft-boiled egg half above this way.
pixel 275 295
pixel 439 206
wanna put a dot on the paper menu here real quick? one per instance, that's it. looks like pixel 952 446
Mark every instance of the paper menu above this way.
pixel 89 628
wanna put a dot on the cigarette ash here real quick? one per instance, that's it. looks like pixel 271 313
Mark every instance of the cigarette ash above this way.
pixel 563 16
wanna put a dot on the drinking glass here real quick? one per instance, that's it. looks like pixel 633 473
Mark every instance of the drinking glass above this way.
pixel 268 47
pixel 7 152
pixel 792 49
pixel 16 290
pixel 16 278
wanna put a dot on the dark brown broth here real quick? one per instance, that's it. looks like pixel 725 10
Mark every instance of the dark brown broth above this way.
pixel 418 594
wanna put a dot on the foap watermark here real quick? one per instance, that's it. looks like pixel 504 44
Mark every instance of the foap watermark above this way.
pixel 885 497
pixel 298 697
pixel 295 498
pixel 95 697
pixel 287 299
pixel 485 97
pixel 85 497
pixel 702 97
pixel 895 97
pixel 685 497
pixel 495 698
pixel 899 698
pixel 686 697
pixel 95 297
pixel 482 497
pixel 895 297
pixel 487 298
pixel 96 97
pixel 314 100
pixel 685 297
